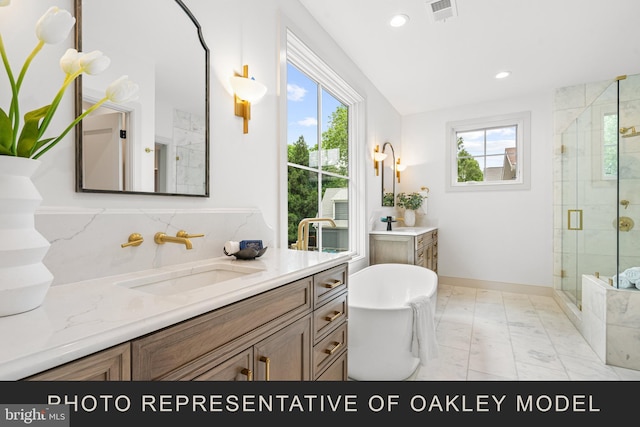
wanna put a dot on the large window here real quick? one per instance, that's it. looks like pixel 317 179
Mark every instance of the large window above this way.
pixel 488 153
pixel 322 135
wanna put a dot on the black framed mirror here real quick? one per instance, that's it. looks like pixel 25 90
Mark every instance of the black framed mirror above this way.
pixel 388 167
pixel 159 143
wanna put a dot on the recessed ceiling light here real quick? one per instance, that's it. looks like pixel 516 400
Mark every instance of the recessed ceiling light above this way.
pixel 399 20
pixel 503 74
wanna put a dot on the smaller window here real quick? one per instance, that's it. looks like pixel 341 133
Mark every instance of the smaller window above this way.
pixel 490 153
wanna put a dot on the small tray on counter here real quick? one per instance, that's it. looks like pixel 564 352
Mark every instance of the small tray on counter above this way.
pixel 247 253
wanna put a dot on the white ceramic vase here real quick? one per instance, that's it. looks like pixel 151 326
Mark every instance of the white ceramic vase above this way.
pixel 409 217
pixel 24 279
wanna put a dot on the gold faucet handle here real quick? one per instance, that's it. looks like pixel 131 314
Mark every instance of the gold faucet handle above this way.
pixel 135 239
pixel 186 235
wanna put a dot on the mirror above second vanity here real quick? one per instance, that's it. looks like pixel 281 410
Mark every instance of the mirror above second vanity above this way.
pixel 159 143
pixel 388 175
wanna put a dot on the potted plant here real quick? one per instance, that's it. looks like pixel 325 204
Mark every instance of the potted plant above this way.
pixel 410 202
pixel 24 279
pixel 387 199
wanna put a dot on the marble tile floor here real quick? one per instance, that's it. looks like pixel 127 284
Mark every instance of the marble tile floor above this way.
pixel 489 335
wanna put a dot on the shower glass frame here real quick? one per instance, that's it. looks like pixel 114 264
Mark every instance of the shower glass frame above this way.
pixel 600 178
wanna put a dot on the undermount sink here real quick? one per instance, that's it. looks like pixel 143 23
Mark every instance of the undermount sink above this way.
pixel 188 279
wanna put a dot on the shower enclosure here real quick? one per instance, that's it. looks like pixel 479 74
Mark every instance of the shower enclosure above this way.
pixel 597 194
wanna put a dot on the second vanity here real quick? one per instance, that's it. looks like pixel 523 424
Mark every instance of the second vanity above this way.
pixel 285 319
pixel 405 245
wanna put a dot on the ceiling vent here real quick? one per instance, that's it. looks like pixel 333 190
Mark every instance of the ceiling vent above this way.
pixel 441 10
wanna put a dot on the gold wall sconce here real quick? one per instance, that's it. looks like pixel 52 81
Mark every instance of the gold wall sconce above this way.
pixel 399 168
pixel 377 158
pixel 246 91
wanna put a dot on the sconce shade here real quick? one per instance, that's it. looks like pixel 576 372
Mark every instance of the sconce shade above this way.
pixel 378 157
pixel 248 89
pixel 245 92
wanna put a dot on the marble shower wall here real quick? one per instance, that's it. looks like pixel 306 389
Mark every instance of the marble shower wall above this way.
pixel 578 116
pixel 608 318
pixel 611 322
pixel 190 143
pixel 86 243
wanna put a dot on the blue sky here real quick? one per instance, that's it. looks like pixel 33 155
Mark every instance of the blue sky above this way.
pixel 302 107
pixel 497 140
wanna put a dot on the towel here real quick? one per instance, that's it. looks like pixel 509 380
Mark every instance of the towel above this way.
pixel 231 248
pixel 633 274
pixel 423 341
pixel 622 281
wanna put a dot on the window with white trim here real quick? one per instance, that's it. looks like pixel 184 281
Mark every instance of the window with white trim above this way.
pixel 324 130
pixel 490 153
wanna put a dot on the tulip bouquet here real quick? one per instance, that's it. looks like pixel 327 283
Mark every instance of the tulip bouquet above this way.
pixel 27 139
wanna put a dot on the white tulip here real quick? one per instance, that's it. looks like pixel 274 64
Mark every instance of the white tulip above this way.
pixel 55 25
pixel 122 90
pixel 70 61
pixel 94 62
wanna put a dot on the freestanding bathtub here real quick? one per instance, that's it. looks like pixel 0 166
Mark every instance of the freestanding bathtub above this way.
pixel 380 325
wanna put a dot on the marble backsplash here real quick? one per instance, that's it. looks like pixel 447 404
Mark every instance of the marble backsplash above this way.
pixel 86 243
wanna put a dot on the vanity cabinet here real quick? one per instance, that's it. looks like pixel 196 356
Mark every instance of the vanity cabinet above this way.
pixel 112 364
pixel 192 348
pixel 405 248
pixel 295 332
pixel 330 316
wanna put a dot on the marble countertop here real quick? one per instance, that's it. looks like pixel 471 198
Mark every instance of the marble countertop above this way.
pixel 404 231
pixel 81 318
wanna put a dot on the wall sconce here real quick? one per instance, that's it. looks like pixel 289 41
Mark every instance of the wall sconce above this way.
pixel 246 90
pixel 377 158
pixel 399 168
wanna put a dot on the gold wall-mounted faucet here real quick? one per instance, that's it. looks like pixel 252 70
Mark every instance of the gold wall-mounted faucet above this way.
pixel 183 233
pixel 135 239
pixel 182 237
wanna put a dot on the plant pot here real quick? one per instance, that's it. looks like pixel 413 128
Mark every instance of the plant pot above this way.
pixel 24 279
pixel 409 217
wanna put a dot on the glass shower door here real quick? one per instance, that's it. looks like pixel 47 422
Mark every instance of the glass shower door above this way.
pixel 589 194
pixel 629 174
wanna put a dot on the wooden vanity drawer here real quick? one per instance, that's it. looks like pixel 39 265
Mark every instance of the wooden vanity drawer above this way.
pixel 329 283
pixel 425 239
pixel 337 371
pixel 329 349
pixel 156 355
pixel 329 316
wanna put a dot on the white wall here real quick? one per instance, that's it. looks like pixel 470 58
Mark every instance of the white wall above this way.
pixel 495 236
pixel 245 168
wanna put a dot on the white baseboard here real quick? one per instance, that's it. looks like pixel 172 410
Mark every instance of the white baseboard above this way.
pixel 498 286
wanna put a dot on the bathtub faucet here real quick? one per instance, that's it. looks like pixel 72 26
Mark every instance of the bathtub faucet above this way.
pixel 302 244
